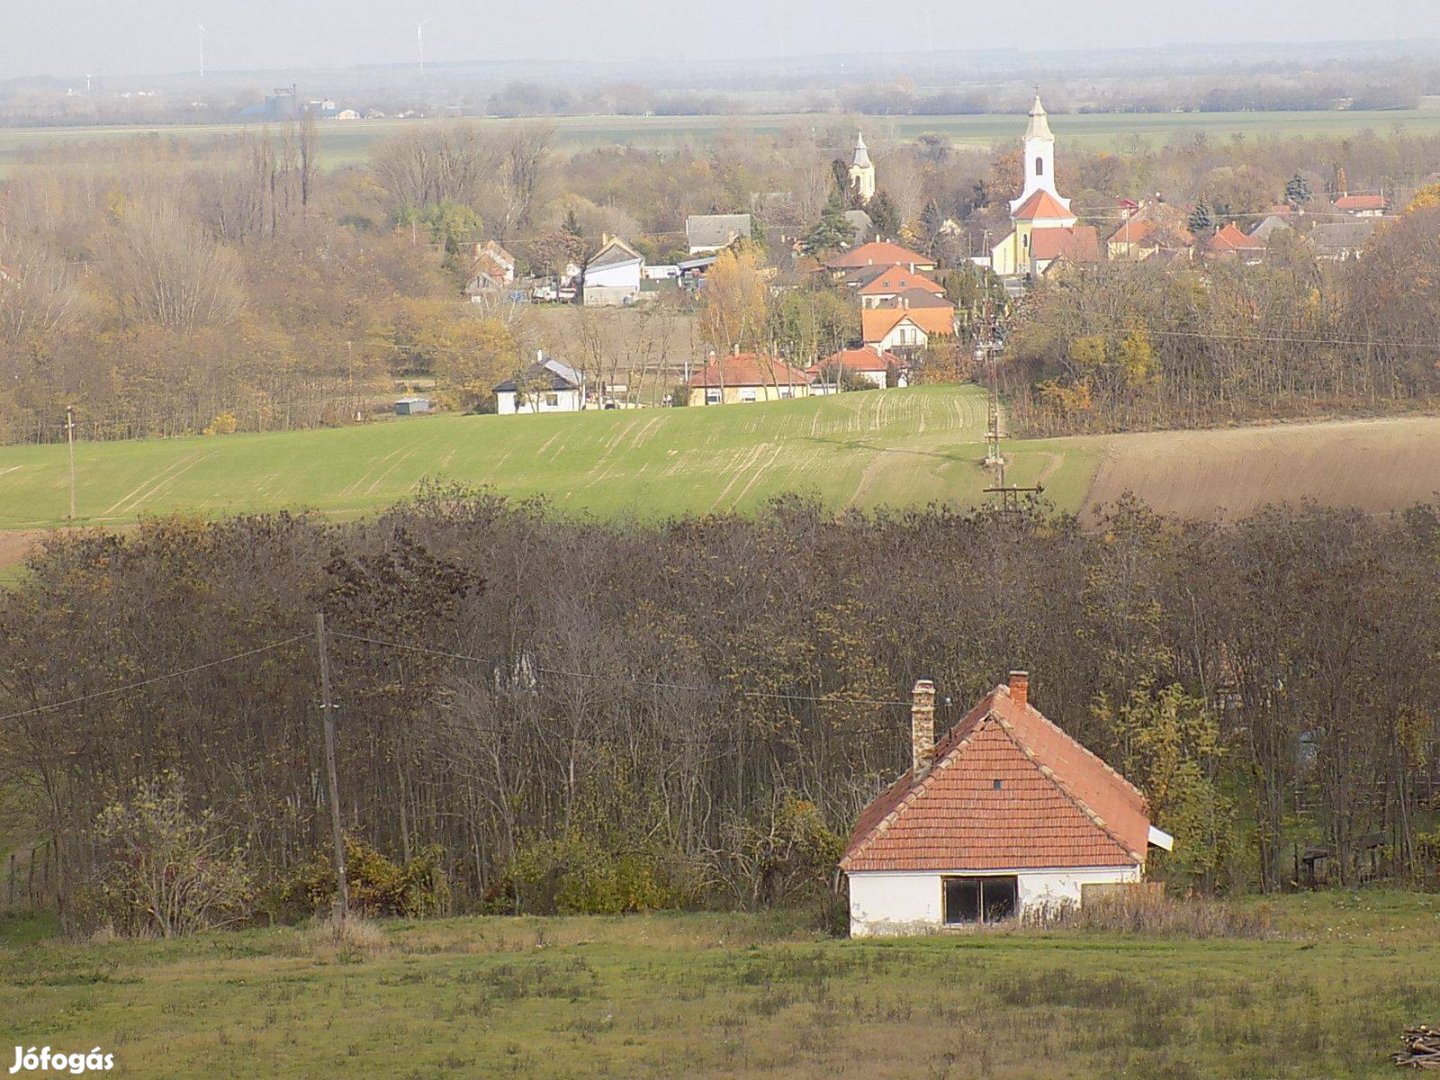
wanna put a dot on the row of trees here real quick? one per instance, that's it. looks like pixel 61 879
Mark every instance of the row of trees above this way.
pixel 1133 345
pixel 555 702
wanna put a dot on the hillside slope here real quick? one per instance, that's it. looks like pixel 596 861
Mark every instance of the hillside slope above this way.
pixel 896 447
pixel 1375 466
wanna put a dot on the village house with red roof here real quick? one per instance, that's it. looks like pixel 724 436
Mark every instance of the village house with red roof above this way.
pixel 1231 242
pixel 905 329
pixel 880 253
pixel 894 283
pixel 1044 230
pixel 880 368
pixel 1373 205
pixel 1002 815
pixel 747 377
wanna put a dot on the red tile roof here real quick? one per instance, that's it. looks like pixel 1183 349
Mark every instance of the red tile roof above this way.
pixel 859 360
pixel 1362 202
pixel 875 323
pixel 897 280
pixel 880 253
pixel 1041 205
pixel 1078 243
pixel 1230 238
pixel 1058 805
pixel 749 369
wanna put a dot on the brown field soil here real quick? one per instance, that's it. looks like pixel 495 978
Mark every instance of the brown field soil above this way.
pixel 15 544
pixel 1375 466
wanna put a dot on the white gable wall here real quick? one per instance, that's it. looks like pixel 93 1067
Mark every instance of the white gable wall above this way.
pixel 911 902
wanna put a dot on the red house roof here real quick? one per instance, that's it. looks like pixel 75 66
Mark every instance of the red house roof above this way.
pixel 1041 205
pixel 875 323
pixel 749 369
pixel 1230 238
pixel 880 253
pixel 860 360
pixel 897 280
pixel 1008 790
pixel 1362 202
pixel 1078 243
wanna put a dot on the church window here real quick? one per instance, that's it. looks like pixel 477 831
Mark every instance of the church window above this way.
pixel 1039 166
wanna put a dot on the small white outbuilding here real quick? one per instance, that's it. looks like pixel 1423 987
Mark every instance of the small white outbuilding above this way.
pixel 1005 813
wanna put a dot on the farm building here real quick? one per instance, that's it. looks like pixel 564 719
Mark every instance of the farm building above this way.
pixel 412 406
pixel 612 277
pixel 546 386
pixel 1004 813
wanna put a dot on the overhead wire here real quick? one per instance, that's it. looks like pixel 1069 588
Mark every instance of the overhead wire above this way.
pixel 128 687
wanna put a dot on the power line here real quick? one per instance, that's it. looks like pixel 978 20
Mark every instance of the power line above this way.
pixel 154 679
pixel 1269 339
pixel 648 684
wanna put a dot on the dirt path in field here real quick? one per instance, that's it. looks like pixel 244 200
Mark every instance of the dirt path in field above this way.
pixel 1371 465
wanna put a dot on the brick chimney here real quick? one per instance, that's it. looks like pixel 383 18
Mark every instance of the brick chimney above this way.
pixel 922 727
pixel 1020 687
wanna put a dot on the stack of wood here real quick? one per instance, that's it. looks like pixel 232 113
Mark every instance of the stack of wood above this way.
pixel 1422 1048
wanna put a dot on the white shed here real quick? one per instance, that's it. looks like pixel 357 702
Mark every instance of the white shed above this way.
pixel 1005 813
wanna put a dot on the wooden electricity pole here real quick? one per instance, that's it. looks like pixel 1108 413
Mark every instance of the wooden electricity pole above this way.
pixel 327 709
pixel 70 438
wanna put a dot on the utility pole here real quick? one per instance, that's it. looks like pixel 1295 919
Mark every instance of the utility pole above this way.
pixel 70 438
pixel 985 353
pixel 327 709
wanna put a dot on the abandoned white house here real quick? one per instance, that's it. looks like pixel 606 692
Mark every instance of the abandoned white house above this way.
pixel 1004 813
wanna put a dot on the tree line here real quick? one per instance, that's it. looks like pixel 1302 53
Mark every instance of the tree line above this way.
pixel 548 713
pixel 1147 345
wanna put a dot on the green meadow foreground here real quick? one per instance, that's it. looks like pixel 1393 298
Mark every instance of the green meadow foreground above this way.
pixel 896 447
pixel 878 448
pixel 737 995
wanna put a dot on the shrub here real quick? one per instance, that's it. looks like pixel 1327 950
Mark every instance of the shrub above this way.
pixel 224 424
pixel 571 875
pixel 378 886
pixel 1150 911
pixel 162 869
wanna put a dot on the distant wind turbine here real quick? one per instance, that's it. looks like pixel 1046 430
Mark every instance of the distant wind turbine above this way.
pixel 420 38
pixel 202 49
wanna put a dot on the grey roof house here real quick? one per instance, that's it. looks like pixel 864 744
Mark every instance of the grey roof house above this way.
pixel 712 232
pixel 546 386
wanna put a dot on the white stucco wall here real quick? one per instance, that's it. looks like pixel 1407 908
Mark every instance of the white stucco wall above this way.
pixel 912 902
pixel 565 401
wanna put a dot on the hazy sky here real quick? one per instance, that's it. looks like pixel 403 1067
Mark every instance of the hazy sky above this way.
pixel 64 37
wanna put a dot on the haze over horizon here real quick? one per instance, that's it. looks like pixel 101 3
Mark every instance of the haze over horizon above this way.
pixel 155 37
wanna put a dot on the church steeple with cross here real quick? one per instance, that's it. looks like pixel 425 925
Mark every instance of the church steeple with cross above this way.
pixel 1039 158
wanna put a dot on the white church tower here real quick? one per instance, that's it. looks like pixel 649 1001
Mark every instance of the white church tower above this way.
pixel 1039 158
pixel 862 171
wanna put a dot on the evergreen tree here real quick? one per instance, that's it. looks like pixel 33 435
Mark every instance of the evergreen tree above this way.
pixel 932 220
pixel 1297 191
pixel 832 232
pixel 883 216
pixel 1201 219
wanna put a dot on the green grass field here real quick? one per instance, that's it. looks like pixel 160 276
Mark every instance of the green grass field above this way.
pixel 349 142
pixel 890 447
pixel 737 995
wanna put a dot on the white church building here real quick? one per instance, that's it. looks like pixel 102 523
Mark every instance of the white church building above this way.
pixel 1044 230
pixel 1003 814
